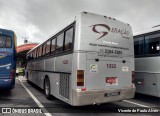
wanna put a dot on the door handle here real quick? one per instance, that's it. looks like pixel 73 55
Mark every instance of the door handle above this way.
pixel 154 84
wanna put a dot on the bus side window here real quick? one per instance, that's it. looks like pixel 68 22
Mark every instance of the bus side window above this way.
pixel 31 56
pixel 152 44
pixel 53 45
pixel 44 49
pixel 59 46
pixel 139 46
pixel 34 54
pixel 48 47
pixel 37 52
pixel 68 39
pixel 40 51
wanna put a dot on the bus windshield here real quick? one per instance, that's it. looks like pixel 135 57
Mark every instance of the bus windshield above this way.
pixel 5 41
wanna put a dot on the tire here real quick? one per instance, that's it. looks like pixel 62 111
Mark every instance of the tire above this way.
pixel 47 88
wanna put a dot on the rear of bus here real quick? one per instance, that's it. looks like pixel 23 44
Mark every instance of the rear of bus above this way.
pixel 7 59
pixel 103 60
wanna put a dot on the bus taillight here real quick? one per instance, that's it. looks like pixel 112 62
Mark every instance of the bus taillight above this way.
pixel 80 77
pixel 133 77
pixel 12 73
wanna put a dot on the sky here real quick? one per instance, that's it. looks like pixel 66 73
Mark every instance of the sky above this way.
pixel 37 20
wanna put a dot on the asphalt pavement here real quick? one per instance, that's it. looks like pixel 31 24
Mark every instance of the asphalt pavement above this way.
pixel 27 97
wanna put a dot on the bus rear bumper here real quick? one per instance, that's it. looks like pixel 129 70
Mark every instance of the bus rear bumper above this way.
pixel 7 83
pixel 81 98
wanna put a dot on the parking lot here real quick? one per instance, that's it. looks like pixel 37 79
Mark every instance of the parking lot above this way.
pixel 26 95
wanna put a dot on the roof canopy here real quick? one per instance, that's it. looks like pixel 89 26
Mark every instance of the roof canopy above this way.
pixel 25 47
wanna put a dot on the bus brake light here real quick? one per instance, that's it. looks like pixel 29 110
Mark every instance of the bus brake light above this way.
pixel 12 73
pixel 80 77
pixel 83 89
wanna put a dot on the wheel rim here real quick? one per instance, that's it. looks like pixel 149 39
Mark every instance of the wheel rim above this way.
pixel 47 87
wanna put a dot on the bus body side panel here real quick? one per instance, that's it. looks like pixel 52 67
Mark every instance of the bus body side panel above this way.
pixel 58 70
pixel 35 70
pixel 61 79
pixel 139 82
pixel 158 84
pixel 147 75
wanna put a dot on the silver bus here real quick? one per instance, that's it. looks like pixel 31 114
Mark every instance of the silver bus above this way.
pixel 89 61
pixel 147 62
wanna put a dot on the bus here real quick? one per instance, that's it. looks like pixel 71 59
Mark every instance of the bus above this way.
pixel 147 62
pixel 89 61
pixel 7 59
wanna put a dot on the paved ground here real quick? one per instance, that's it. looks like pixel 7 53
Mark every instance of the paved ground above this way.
pixel 26 95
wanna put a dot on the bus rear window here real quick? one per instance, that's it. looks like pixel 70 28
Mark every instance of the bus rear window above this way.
pixel 5 42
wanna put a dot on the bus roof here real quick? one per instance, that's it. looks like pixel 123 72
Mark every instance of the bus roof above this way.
pixel 147 31
pixel 6 31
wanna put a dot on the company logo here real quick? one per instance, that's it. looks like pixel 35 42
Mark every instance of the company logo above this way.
pixel 123 32
pixel 104 33
pixel 4 54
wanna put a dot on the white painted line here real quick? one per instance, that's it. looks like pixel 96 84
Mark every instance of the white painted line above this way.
pixel 136 104
pixel 36 100
pixel 141 105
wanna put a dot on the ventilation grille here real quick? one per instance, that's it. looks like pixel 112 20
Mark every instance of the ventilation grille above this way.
pixel 64 86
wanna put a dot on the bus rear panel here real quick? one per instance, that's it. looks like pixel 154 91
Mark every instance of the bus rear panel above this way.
pixel 103 60
pixel 7 59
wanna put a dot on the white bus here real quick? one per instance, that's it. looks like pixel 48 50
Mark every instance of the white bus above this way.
pixel 90 61
pixel 147 62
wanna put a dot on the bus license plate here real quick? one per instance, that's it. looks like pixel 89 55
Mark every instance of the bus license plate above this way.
pixel 112 94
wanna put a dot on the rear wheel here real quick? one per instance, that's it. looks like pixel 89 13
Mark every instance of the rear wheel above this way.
pixel 47 88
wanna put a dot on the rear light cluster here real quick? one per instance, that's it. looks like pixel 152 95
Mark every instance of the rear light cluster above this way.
pixel 12 73
pixel 133 77
pixel 80 77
